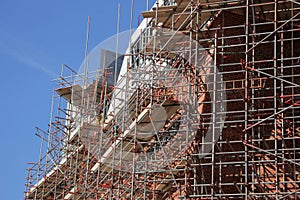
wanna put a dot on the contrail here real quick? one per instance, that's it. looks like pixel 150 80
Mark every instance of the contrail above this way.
pixel 28 61
pixel 24 59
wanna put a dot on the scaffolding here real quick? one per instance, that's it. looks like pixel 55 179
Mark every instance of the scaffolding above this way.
pixel 205 104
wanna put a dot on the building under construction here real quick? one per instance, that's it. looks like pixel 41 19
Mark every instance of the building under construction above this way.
pixel 204 104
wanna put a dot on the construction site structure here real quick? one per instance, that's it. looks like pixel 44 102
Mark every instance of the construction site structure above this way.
pixel 204 104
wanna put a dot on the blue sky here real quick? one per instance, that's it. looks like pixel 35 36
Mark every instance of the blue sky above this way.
pixel 36 38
